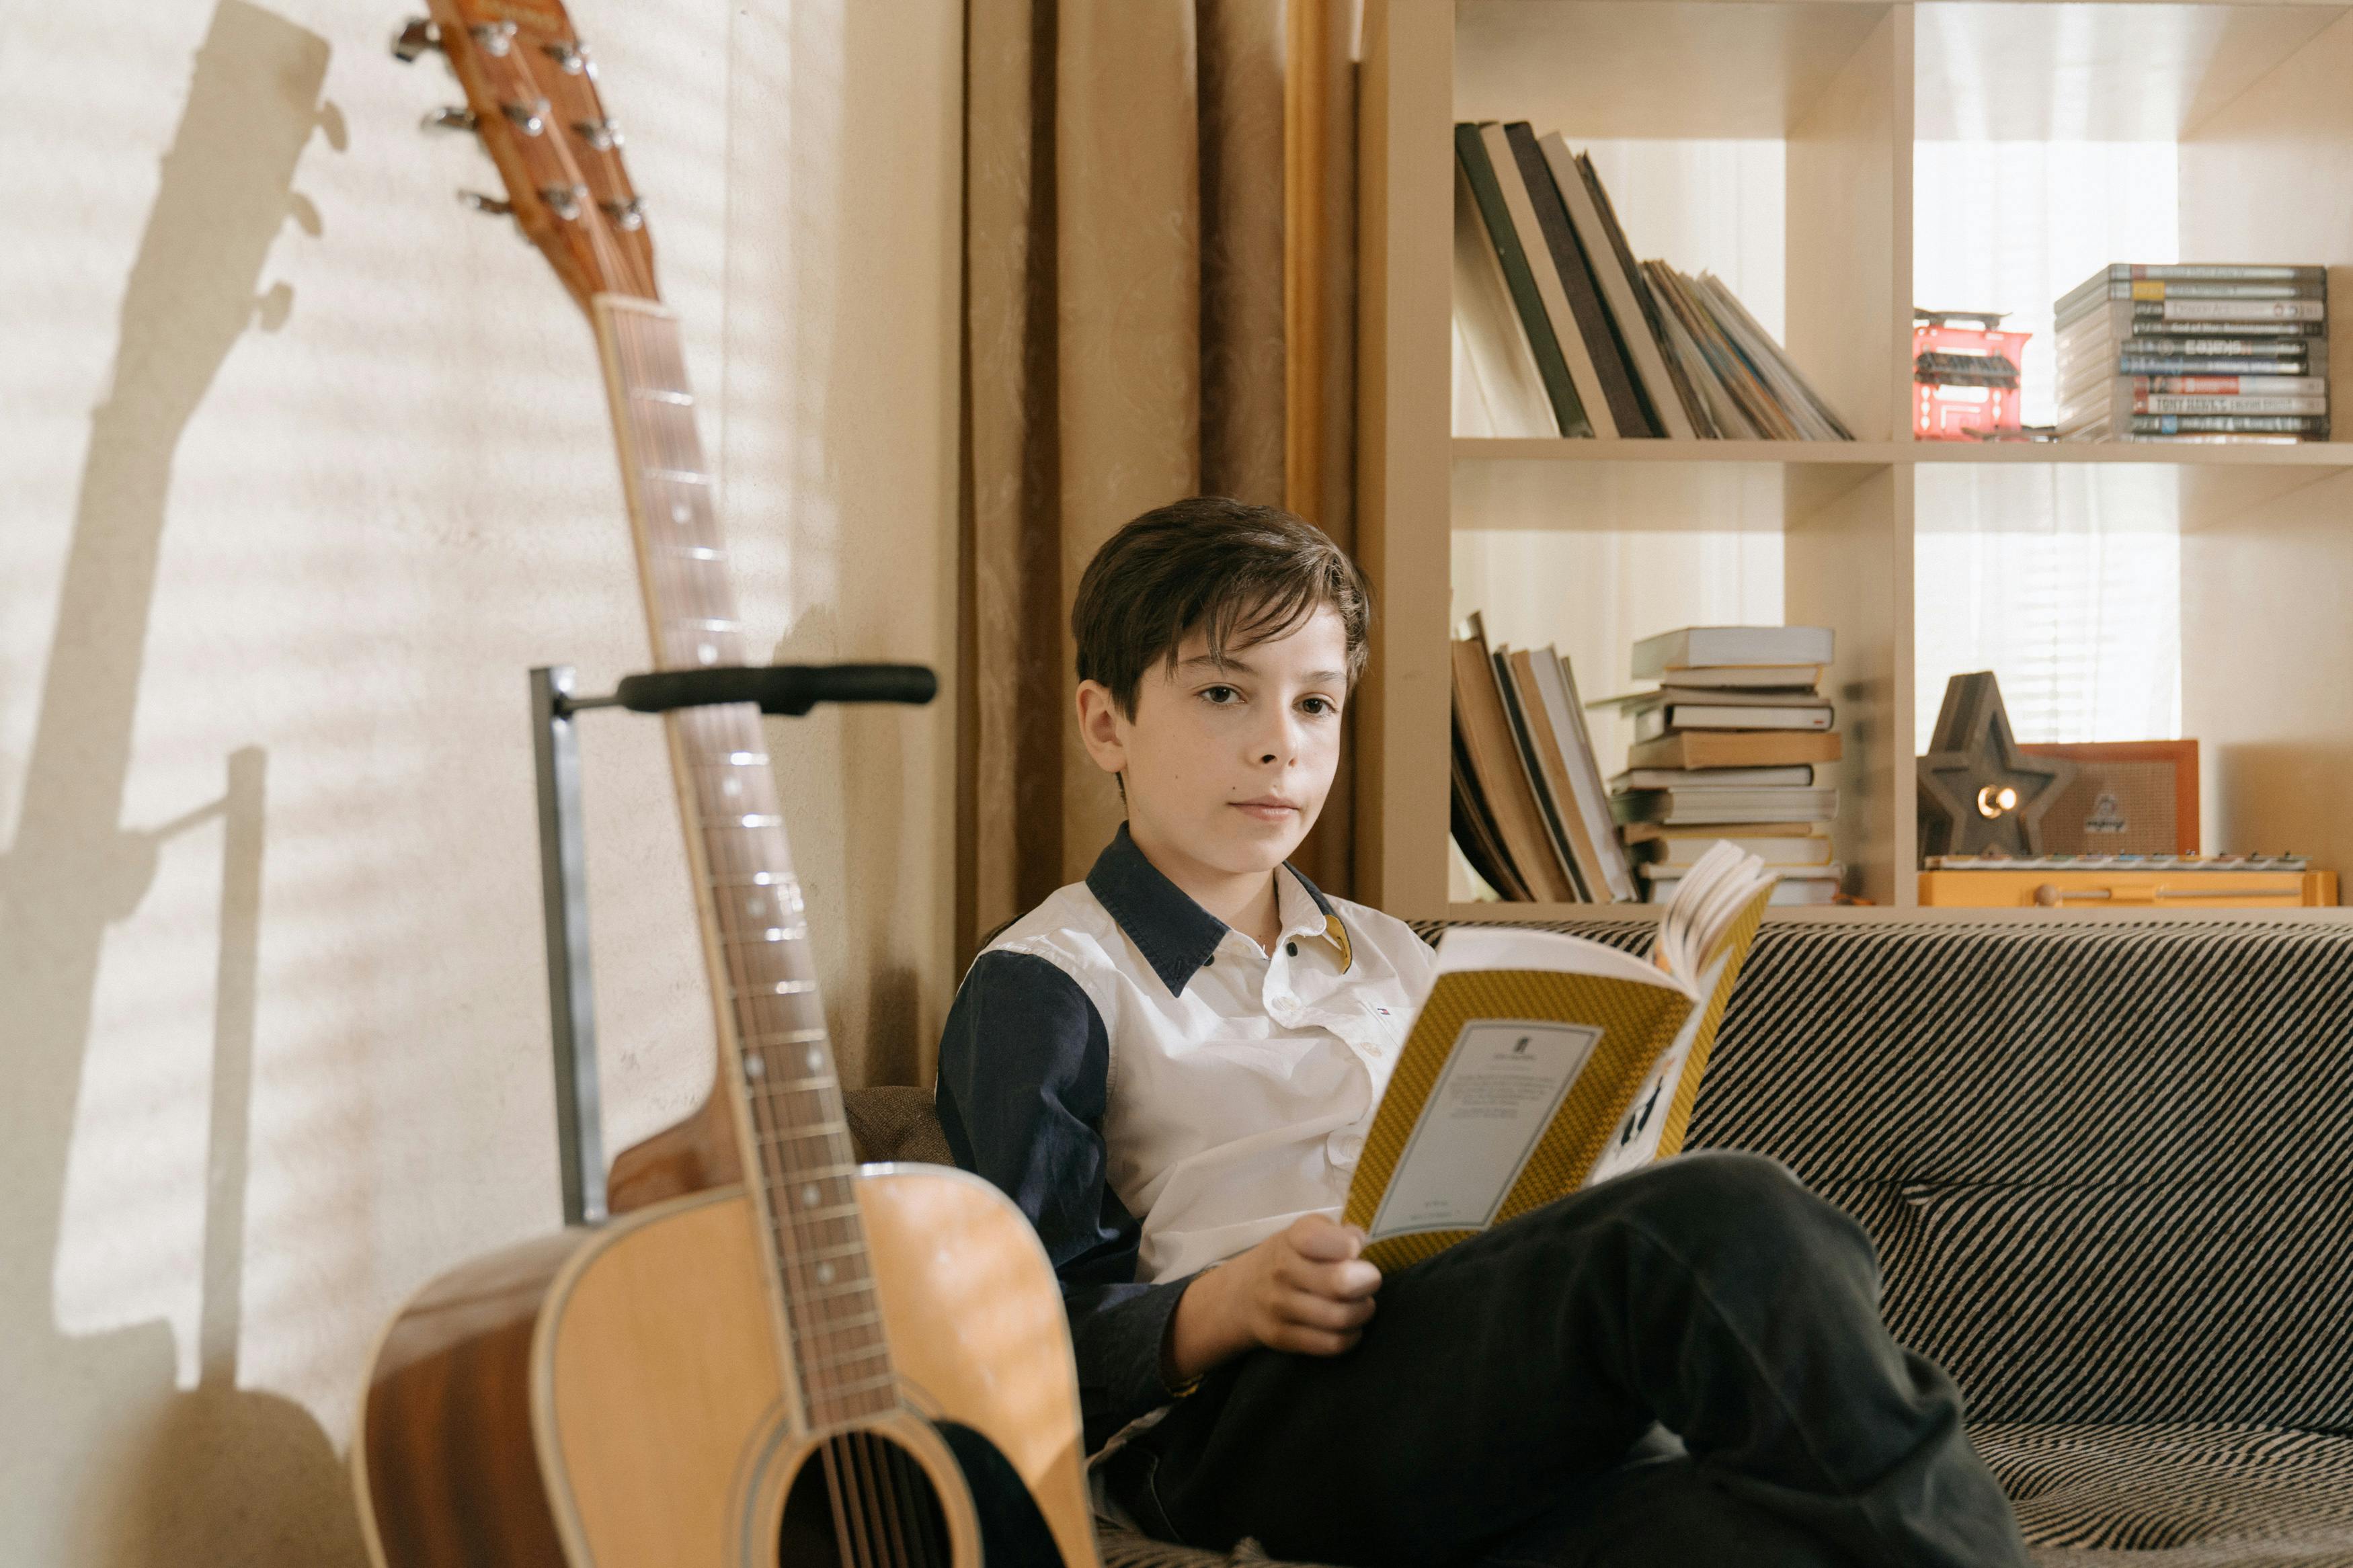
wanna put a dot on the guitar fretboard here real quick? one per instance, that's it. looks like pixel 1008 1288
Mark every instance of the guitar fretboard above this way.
pixel 774 1056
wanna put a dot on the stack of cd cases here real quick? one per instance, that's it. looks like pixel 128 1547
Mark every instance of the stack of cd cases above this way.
pixel 2195 353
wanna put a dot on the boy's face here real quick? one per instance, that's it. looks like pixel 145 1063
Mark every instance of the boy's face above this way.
pixel 1227 765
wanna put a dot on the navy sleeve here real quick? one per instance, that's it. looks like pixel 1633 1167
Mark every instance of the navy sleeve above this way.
pixel 1025 1065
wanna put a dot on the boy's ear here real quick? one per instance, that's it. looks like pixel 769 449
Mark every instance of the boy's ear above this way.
pixel 1099 727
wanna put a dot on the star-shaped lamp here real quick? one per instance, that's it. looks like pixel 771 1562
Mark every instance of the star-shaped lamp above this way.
pixel 1979 795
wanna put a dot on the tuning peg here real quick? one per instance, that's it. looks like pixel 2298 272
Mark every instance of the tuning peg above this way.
pixel 456 118
pixel 488 205
pixel 494 38
pixel 531 119
pixel 604 134
pixel 418 35
pixel 564 201
pixel 571 58
pixel 629 215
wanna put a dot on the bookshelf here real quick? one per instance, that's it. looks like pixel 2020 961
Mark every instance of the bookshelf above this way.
pixel 1783 137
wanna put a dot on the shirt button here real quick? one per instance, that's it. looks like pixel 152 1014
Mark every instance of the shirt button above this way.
pixel 1292 948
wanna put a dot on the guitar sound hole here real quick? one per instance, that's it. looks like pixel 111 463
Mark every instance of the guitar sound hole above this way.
pixel 862 1501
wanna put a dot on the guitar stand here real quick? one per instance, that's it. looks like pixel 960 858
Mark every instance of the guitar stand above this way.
pixel 787 688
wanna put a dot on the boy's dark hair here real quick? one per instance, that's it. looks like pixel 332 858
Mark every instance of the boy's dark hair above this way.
pixel 1243 574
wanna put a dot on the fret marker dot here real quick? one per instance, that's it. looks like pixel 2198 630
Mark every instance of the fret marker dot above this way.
pixel 756 906
pixel 707 654
pixel 755 1068
pixel 680 512
pixel 809 1194
pixel 816 1058
pixel 824 1273
pixel 735 787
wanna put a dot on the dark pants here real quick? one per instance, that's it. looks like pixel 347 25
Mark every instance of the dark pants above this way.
pixel 1503 1406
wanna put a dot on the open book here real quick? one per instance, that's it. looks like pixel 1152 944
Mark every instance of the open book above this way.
pixel 1544 1063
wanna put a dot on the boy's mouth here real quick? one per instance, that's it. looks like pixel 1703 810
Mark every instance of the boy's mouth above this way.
pixel 1266 808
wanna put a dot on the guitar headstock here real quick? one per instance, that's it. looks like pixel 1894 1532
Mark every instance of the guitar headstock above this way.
pixel 530 97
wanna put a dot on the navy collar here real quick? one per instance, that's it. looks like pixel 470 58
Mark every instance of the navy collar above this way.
pixel 1176 935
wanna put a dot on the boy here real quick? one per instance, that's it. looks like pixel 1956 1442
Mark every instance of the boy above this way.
pixel 1171 1067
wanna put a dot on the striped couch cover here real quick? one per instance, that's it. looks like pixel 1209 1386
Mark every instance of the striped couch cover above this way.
pixel 2109 1170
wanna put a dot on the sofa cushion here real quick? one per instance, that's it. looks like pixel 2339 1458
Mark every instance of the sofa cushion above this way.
pixel 2175 1496
pixel 2125 1301
pixel 894 1122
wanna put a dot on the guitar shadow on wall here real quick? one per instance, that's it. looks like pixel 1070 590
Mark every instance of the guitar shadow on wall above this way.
pixel 127 1472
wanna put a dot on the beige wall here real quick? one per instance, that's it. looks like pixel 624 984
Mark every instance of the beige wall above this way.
pixel 270 576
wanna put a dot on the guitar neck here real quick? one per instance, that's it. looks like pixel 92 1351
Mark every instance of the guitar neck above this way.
pixel 776 1063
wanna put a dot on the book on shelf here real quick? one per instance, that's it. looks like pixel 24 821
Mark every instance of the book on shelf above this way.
pixel 1505 784
pixel 1530 812
pixel 1632 314
pixel 1561 330
pixel 1675 691
pixel 1683 847
pixel 1497 390
pixel 1637 834
pixel 1551 686
pixel 1689 649
pixel 1555 799
pixel 1701 807
pixel 1473 827
pixel 1477 160
pixel 1799 777
pixel 1596 358
pixel 1649 723
pixel 1733 749
pixel 1796 885
pixel 1543 1063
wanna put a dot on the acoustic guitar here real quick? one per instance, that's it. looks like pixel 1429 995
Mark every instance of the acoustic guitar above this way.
pixel 819 1363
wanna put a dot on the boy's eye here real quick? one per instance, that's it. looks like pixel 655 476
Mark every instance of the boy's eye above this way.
pixel 1223 696
pixel 1320 707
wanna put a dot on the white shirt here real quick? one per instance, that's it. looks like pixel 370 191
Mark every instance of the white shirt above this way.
pixel 1240 1083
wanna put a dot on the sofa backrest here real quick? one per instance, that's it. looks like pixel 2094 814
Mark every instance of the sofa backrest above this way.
pixel 2108 1167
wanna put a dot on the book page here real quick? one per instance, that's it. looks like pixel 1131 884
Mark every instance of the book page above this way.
pixel 1503 1080
pixel 1470 948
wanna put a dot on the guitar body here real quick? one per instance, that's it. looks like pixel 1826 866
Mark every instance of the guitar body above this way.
pixel 612 1396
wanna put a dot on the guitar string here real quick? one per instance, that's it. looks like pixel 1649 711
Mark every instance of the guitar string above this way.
pixel 876 1477
pixel 881 1499
pixel 917 1490
pixel 842 1538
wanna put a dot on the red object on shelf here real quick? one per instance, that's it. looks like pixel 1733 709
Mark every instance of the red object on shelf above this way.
pixel 1948 402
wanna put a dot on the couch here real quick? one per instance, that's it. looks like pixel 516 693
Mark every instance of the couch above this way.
pixel 2109 1170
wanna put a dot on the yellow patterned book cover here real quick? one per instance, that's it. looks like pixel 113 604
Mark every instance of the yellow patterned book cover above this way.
pixel 1542 1063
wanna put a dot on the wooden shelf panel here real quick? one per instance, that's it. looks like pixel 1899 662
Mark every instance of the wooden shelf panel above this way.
pixel 1568 450
pixel 1654 69
pixel 1860 914
pixel 2026 72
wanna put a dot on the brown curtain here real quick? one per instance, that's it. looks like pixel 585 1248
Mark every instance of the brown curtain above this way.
pixel 1158 239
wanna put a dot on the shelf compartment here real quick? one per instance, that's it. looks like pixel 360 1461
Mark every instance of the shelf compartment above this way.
pixel 2014 72
pixel 1655 69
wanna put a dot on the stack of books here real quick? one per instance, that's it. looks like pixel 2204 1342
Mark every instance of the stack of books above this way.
pixel 1732 745
pixel 2195 353
pixel 1558 331
pixel 1530 814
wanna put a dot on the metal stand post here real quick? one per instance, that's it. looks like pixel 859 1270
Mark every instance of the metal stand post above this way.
pixel 563 896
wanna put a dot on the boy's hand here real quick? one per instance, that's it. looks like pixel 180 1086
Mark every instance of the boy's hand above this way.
pixel 1306 1290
